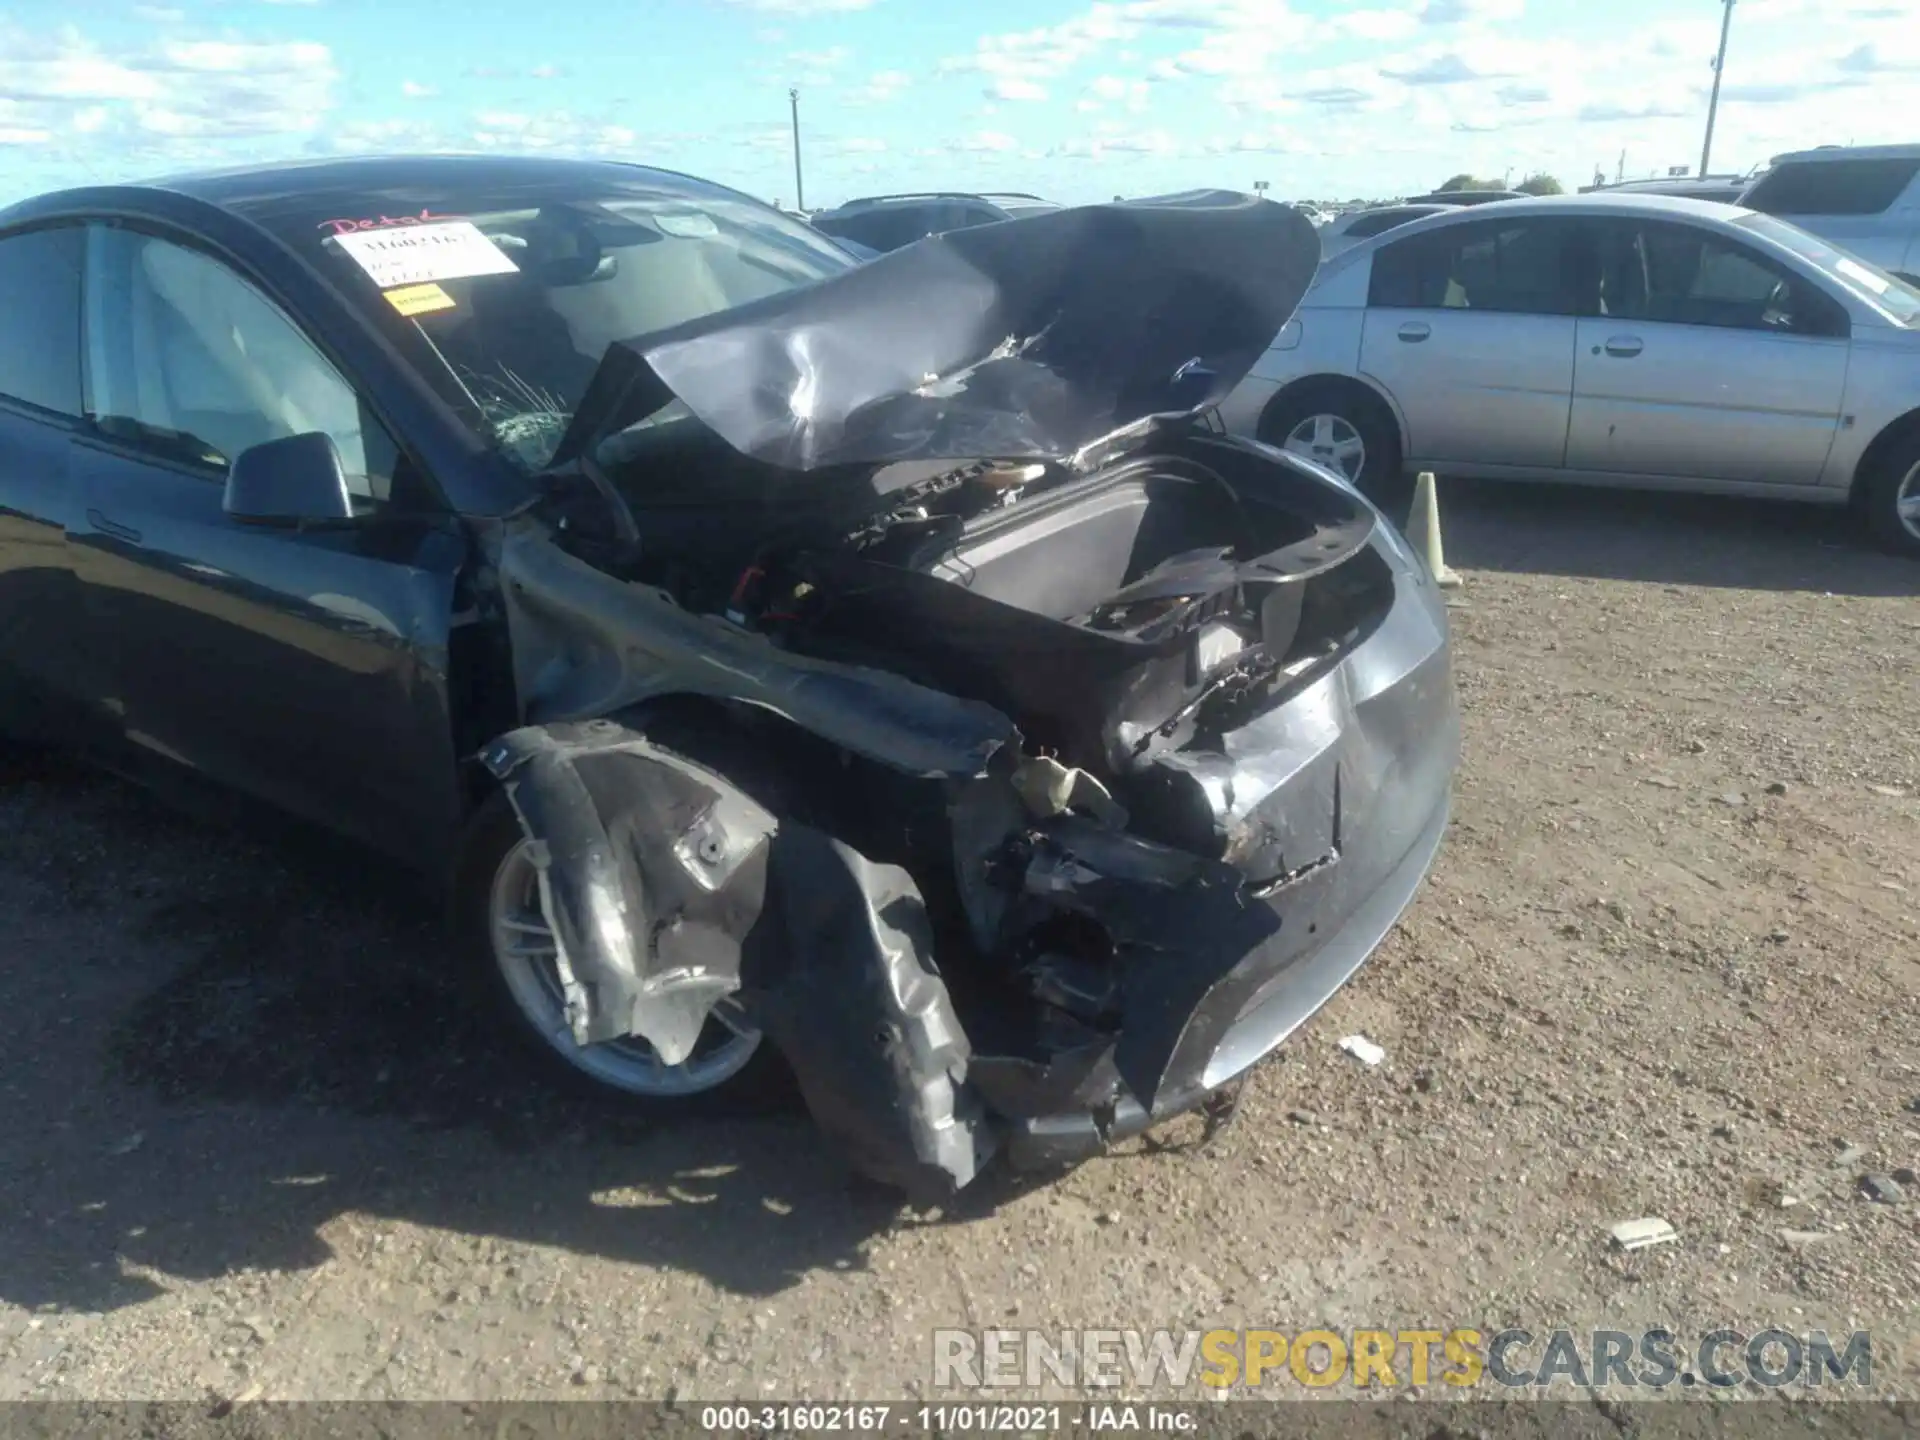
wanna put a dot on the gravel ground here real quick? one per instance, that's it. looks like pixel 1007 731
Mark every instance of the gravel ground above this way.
pixel 1667 965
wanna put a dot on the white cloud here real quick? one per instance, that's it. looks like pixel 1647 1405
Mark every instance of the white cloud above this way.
pixel 1106 90
pixel 1376 25
pixel 1271 142
pixel 809 69
pixel 1047 52
pixel 985 142
pixel 159 14
pixel 832 58
pixel 881 87
pixel 1869 59
pixel 414 90
pixel 800 9
pixel 1108 141
pixel 21 125
pixel 1466 12
pixel 176 89
pixel 1013 88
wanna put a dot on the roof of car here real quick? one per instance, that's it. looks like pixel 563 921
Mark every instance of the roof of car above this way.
pixel 1455 197
pixel 1669 185
pixel 917 197
pixel 260 190
pixel 1600 202
pixel 863 202
pixel 1849 152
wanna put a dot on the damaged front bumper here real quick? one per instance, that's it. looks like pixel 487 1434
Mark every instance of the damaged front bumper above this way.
pixel 667 889
pixel 1351 781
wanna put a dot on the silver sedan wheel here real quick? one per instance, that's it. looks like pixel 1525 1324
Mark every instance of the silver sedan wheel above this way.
pixel 524 949
pixel 1906 502
pixel 1332 441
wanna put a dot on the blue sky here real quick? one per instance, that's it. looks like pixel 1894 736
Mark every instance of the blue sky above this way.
pixel 1319 98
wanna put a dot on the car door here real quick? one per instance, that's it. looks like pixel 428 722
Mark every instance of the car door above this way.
pixel 1708 360
pixel 306 666
pixel 50 684
pixel 1470 328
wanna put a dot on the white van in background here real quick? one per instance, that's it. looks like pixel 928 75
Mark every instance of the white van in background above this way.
pixel 1863 198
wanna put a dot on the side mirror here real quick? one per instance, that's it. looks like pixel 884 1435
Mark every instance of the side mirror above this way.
pixel 283 482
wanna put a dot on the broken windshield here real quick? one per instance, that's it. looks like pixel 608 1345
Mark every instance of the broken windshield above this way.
pixel 521 296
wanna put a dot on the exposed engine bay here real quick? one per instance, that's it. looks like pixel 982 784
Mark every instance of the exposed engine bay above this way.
pixel 994 789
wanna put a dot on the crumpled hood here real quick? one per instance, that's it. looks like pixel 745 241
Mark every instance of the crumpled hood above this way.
pixel 1029 339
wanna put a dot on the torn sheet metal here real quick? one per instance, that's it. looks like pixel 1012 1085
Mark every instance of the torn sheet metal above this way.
pixel 856 1004
pixel 1001 340
pixel 666 888
pixel 587 644
pixel 1181 929
pixel 652 872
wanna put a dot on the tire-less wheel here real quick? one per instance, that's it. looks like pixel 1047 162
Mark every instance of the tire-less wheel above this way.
pixel 513 960
pixel 1892 497
pixel 1344 428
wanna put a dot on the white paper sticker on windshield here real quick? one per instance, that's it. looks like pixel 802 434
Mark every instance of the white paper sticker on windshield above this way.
pixel 423 254
pixel 686 225
pixel 1860 275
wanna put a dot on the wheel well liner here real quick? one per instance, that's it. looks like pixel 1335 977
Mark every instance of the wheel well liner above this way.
pixel 1900 428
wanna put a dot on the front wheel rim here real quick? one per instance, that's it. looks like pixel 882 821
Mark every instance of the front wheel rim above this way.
pixel 528 959
pixel 1329 440
pixel 1906 502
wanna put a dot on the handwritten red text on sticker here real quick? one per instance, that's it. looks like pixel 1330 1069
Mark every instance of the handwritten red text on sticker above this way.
pixel 382 222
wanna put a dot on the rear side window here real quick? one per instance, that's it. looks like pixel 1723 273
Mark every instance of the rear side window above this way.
pixel 40 318
pixel 887 229
pixel 965 217
pixel 1378 222
pixel 1832 187
pixel 1515 267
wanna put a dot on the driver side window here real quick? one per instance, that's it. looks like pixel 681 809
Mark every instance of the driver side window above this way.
pixel 1680 275
pixel 191 364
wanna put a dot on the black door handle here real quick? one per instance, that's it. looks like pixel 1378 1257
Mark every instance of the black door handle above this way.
pixel 108 527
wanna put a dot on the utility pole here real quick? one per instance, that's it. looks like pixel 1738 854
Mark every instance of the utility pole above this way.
pixel 799 192
pixel 1713 104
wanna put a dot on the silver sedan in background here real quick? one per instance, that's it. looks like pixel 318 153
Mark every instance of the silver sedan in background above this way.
pixel 1623 340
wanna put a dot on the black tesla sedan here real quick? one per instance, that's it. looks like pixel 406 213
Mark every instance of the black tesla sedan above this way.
pixel 892 668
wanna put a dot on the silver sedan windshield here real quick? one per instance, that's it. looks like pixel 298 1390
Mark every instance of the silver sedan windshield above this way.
pixel 1864 278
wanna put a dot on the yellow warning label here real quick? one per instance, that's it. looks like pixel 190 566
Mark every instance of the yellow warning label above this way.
pixel 419 299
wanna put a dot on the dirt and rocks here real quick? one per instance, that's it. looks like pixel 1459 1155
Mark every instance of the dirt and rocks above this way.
pixel 1668 965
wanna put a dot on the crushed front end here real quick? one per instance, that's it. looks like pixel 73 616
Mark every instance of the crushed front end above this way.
pixel 1025 801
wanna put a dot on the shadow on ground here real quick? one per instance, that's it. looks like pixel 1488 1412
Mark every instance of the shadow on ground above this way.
pixel 1664 539
pixel 222 1041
